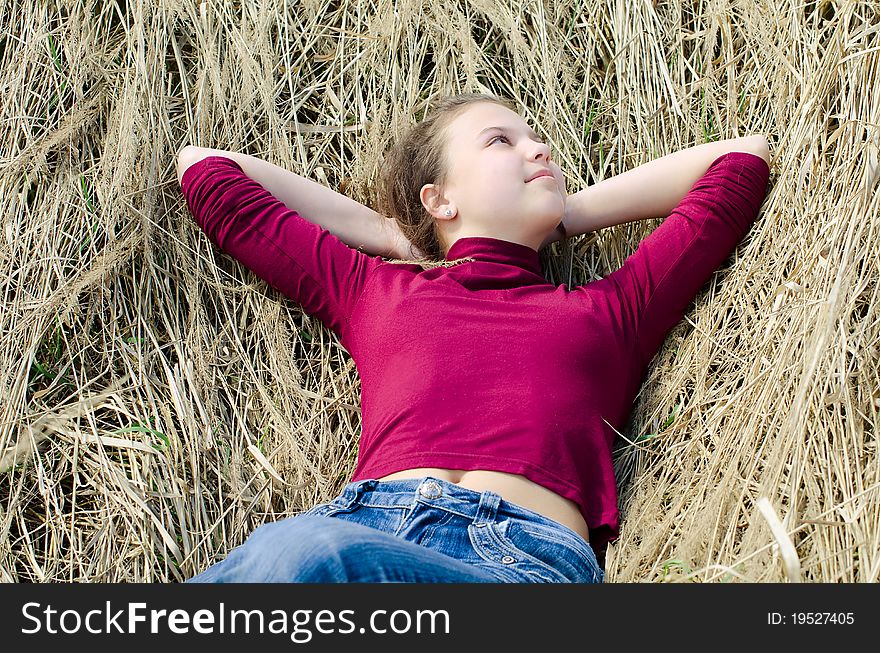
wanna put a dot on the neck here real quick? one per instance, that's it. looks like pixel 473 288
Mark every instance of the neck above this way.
pixel 450 239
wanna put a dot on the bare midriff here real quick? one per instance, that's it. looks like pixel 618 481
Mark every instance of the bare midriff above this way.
pixel 513 488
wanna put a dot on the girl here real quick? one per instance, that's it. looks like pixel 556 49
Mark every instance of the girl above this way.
pixel 490 398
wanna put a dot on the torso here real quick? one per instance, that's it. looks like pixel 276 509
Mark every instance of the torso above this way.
pixel 511 487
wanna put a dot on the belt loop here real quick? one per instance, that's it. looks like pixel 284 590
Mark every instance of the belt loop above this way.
pixel 488 508
pixel 356 490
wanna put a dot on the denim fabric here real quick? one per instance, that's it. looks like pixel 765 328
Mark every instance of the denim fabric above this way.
pixel 423 530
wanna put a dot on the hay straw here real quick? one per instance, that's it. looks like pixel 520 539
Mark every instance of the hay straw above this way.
pixel 223 406
pixel 786 548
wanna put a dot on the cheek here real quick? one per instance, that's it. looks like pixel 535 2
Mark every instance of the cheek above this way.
pixel 493 177
pixel 560 179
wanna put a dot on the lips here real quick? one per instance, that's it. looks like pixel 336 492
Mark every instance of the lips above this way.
pixel 539 174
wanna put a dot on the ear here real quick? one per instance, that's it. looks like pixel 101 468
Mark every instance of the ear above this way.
pixel 435 202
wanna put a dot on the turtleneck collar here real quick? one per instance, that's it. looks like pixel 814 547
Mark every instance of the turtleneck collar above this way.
pixel 495 250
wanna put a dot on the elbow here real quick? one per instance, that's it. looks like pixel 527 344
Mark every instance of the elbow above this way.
pixel 759 146
pixel 188 155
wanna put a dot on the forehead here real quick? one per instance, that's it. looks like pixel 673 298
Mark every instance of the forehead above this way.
pixel 481 115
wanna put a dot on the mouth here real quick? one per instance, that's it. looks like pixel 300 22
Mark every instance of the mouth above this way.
pixel 540 175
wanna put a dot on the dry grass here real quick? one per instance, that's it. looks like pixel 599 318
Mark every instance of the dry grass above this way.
pixel 158 401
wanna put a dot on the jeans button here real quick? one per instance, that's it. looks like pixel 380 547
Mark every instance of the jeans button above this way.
pixel 508 560
pixel 430 489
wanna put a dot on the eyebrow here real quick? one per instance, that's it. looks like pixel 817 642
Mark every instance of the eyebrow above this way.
pixel 532 132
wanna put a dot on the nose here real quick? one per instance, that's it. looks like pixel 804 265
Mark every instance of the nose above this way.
pixel 540 150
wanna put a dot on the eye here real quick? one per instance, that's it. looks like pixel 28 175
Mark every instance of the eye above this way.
pixel 492 140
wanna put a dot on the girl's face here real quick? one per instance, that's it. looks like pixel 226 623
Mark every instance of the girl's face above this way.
pixel 492 155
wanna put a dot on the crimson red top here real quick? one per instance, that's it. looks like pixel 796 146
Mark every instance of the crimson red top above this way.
pixel 486 365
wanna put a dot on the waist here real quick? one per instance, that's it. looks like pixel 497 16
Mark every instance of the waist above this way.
pixel 513 488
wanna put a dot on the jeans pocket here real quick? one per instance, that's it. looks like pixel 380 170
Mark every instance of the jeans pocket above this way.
pixel 568 557
pixel 511 559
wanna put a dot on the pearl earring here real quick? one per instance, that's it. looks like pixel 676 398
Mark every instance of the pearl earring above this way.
pixel 448 212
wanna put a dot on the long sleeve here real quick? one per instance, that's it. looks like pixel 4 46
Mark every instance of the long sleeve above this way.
pixel 299 258
pixel 656 284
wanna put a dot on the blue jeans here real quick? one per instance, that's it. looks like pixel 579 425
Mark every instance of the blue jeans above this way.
pixel 423 530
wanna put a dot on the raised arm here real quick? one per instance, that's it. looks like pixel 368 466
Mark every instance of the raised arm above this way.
pixel 652 189
pixel 356 225
pixel 297 257
pixel 650 292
